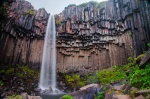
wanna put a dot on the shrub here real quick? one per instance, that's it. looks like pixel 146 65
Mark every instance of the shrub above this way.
pixel 1 83
pixel 15 97
pixel 75 80
pixel 101 95
pixel 148 45
pixel 108 76
pixel 140 78
pixel 67 97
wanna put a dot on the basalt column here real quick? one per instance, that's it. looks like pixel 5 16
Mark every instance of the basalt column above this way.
pixel 93 36
pixel 22 36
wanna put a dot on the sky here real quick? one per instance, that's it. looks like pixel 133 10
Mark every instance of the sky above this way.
pixel 56 6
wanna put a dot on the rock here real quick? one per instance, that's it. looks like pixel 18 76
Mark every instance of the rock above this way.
pixel 90 86
pixel 145 59
pixel 86 92
pixel 34 97
pixel 121 97
pixel 126 87
pixel 21 88
pixel 133 88
pixel 24 95
pixel 143 92
pixel 119 87
pixel 109 95
pixel 139 97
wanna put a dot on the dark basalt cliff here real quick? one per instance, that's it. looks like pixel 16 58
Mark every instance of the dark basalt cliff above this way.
pixel 90 36
pixel 22 35
pixel 95 36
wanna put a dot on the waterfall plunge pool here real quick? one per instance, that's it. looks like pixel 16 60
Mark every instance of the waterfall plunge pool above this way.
pixel 51 96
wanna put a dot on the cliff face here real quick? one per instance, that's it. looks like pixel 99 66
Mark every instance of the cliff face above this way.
pixel 91 36
pixel 22 36
pixel 96 36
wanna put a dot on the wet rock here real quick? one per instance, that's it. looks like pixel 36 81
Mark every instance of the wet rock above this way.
pixel 34 97
pixel 26 96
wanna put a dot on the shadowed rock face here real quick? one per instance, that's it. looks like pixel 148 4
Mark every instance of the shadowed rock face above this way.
pixel 23 33
pixel 89 36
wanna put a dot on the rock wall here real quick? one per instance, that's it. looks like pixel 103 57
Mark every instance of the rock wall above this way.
pixel 94 36
pixel 91 36
pixel 22 36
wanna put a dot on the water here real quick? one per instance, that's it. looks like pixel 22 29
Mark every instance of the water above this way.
pixel 51 96
pixel 48 68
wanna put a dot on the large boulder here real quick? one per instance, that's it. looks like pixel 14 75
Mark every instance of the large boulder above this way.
pixel 86 92
pixel 26 96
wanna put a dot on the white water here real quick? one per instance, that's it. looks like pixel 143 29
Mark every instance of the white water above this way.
pixel 48 68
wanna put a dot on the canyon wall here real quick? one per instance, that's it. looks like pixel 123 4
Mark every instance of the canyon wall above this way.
pixel 91 36
pixel 22 35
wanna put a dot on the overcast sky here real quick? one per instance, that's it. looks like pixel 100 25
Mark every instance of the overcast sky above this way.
pixel 56 6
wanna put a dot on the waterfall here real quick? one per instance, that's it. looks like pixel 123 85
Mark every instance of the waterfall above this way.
pixel 48 68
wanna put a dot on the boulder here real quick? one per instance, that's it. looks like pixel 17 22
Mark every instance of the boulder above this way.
pixel 126 87
pixel 26 96
pixel 121 97
pixel 145 59
pixel 86 92
pixel 139 97
pixel 118 87
pixel 34 97
pixel 143 92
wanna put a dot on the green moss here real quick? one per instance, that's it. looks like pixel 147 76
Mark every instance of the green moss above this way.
pixel 101 95
pixel 31 11
pixel 70 5
pixel 148 45
pixel 15 97
pixel 67 97
pixel 75 80
pixel 139 57
pixel 130 33
pixel 1 83
pixel 133 93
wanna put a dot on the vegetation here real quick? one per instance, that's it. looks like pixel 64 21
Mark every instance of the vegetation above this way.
pixel 70 5
pixel 112 75
pixel 97 5
pixel 18 76
pixel 3 14
pixel 101 5
pixel 75 80
pixel 31 11
pixel 67 97
pixel 1 83
pixel 148 45
pixel 23 72
pixel 115 74
pixel 140 77
pixel 15 97
pixel 101 95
